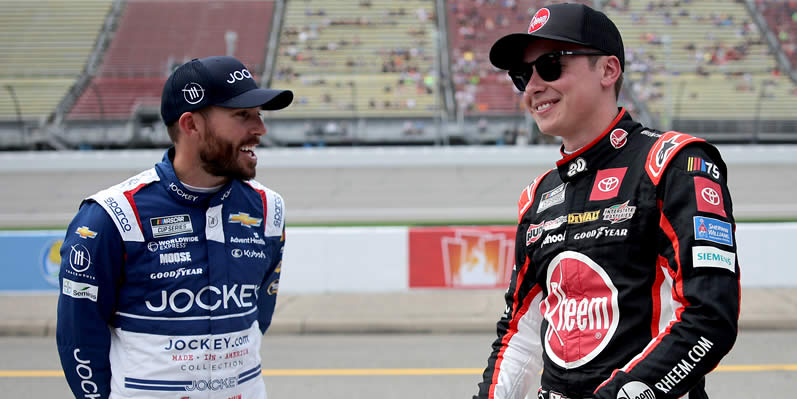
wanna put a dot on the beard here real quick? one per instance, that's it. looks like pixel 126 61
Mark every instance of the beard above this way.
pixel 221 157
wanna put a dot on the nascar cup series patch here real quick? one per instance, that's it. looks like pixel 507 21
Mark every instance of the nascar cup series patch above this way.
pixel 171 225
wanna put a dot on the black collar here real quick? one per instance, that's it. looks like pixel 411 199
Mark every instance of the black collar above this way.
pixel 599 152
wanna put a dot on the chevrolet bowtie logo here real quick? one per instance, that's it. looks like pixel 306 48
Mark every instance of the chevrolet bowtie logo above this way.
pixel 244 219
pixel 84 232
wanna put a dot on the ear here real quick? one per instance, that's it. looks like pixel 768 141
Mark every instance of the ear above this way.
pixel 191 124
pixel 611 72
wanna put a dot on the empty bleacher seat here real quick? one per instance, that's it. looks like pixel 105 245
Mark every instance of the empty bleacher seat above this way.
pixel 44 46
pixel 153 36
pixel 359 58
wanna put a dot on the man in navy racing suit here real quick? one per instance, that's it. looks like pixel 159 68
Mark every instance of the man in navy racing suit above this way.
pixel 169 279
pixel 626 282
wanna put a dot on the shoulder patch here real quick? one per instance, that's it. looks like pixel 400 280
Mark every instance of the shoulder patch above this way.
pixel 146 177
pixel 664 150
pixel 118 203
pixel 527 196
pixel 274 209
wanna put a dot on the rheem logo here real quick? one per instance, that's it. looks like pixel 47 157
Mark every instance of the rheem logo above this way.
pixel 581 310
pixel 539 20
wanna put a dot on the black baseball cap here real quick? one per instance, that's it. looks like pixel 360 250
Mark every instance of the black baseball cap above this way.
pixel 565 22
pixel 219 80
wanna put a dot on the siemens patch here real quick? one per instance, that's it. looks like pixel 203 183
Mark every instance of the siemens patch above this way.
pixel 171 225
pixel 713 257
pixel 713 230
pixel 80 290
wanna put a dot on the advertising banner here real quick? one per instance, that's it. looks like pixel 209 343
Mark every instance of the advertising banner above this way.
pixel 31 260
pixel 461 257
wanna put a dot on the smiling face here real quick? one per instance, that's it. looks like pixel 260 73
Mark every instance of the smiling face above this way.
pixel 575 106
pixel 226 147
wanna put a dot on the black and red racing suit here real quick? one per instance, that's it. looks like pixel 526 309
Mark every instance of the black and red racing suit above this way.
pixel 626 282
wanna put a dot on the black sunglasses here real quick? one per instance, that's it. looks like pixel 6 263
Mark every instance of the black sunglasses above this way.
pixel 548 67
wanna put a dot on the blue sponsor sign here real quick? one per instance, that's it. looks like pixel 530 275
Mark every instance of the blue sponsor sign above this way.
pixel 31 260
pixel 713 230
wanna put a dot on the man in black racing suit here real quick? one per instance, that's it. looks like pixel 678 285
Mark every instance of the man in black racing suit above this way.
pixel 626 282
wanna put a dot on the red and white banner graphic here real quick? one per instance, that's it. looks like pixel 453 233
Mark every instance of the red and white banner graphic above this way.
pixel 461 257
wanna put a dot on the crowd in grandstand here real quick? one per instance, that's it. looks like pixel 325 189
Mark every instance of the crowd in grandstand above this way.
pixel 782 19
pixel 371 58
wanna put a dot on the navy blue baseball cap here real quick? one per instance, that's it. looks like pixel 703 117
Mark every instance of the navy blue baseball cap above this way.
pixel 565 22
pixel 221 81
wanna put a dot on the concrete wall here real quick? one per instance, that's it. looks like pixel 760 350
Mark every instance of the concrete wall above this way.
pixel 446 184
pixel 377 259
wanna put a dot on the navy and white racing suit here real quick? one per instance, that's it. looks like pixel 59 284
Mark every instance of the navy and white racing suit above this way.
pixel 626 282
pixel 166 292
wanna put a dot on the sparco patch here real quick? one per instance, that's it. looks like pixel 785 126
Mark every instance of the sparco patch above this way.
pixel 171 225
pixel 579 326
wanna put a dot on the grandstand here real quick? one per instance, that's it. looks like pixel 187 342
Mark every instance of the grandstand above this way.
pixel 781 16
pixel 90 72
pixel 45 46
pixel 473 28
pixel 153 36
pixel 353 59
pixel 359 57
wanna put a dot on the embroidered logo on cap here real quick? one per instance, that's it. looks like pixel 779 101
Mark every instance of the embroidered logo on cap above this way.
pixel 193 93
pixel 539 19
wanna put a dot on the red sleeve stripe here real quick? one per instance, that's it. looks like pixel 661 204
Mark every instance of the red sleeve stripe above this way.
pixel 677 297
pixel 677 293
pixel 513 323
pixel 527 196
pixel 655 295
pixel 129 195
pixel 678 284
pixel 265 201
